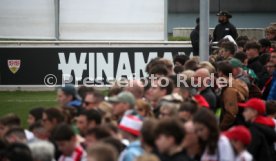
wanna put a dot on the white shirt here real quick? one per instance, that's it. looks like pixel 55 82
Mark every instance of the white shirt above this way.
pixel 244 156
pixel 225 151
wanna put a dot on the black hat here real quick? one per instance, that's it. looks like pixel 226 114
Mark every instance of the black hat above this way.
pixel 224 13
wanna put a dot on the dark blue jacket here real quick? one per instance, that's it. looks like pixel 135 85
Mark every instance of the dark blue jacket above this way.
pixel 272 93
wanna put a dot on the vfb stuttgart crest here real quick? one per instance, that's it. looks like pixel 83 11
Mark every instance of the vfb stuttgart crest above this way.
pixel 14 65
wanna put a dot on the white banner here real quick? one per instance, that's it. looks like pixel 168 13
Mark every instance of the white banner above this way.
pixel 112 19
pixel 27 19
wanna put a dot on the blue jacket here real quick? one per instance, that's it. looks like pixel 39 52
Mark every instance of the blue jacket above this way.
pixel 272 92
pixel 131 152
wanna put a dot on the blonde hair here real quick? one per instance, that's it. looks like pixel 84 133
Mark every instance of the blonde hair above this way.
pixel 140 103
pixel 147 157
pixel 207 65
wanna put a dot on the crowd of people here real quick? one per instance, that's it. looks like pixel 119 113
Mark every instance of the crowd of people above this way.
pixel 161 120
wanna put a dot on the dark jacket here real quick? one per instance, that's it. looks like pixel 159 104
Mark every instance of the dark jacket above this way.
pixel 261 146
pixel 181 156
pixel 256 66
pixel 210 97
pixel 223 29
pixel 195 40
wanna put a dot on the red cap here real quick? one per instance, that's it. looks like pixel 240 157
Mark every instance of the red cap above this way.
pixel 131 124
pixel 239 133
pixel 201 101
pixel 255 103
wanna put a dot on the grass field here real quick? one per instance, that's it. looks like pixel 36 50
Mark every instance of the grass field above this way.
pixel 20 102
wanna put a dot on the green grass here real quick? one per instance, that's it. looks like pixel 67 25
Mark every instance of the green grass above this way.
pixel 20 102
pixel 178 38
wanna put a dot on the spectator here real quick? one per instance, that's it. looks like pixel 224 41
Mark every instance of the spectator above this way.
pixel 238 72
pixel 241 41
pixel 135 87
pixel 270 68
pixel 242 57
pixel 191 65
pixel 16 135
pixel 157 91
pixel 169 136
pixel 143 108
pixel 272 93
pixel 102 152
pixel 88 119
pixel 10 121
pixel 224 27
pixel 39 131
pixel 92 100
pixel 18 152
pixel 187 110
pixel 116 143
pixel 42 151
pixel 194 36
pixel 67 144
pixel 94 135
pixel 180 60
pixel 35 115
pixel 240 138
pixel 191 141
pixel 265 50
pixel 238 92
pixel 148 136
pixel 168 110
pixel 270 33
pixel 130 127
pixel 216 147
pixel 67 96
pixel 123 103
pixel 261 128
pixel 203 79
pixel 51 118
pixel 252 51
pixel 227 50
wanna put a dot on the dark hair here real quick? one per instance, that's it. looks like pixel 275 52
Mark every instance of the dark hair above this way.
pixel 178 69
pixel 117 144
pixel 148 131
pixel 37 113
pixel 265 43
pixel 241 41
pixel 229 46
pixel 191 65
pixel 99 97
pixel 241 56
pixel 54 113
pixel 181 59
pixel 224 67
pixel 207 118
pixel 271 107
pixel 159 69
pixel 114 91
pixel 252 45
pixel 189 106
pixel 18 152
pixel 63 132
pixel 151 63
pixel 170 127
pixel 92 115
pixel 10 120
pixel 169 88
pixel 19 132
pixel 99 132
pixel 83 90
